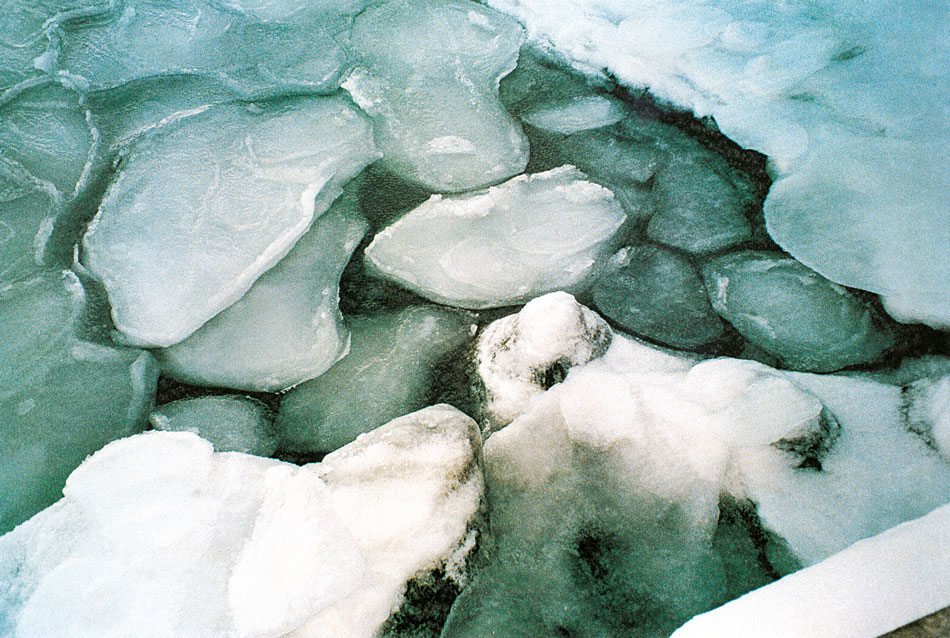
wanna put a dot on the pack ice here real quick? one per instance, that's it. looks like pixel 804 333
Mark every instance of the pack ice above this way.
pixel 528 236
pixel 847 101
pixel 157 535
pixel 205 205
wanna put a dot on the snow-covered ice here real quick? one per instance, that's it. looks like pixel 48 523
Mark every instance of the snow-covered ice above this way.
pixel 204 206
pixel 528 236
pixel 159 536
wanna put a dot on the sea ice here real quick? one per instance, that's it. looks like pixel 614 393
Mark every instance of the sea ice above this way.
pixel 870 588
pixel 806 321
pixel 848 101
pixel 230 423
pixel 158 536
pixel 505 245
pixel 521 356
pixel 204 206
pixel 410 493
pixel 27 208
pixel 257 56
pixel 61 398
pixel 287 328
pixel 697 210
pixel 427 72
pixel 657 294
pixel 388 372
pixel 576 114
pixel 926 405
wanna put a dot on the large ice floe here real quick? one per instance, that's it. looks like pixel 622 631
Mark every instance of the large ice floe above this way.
pixel 454 319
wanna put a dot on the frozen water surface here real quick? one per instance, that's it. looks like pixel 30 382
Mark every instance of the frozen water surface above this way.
pixel 332 214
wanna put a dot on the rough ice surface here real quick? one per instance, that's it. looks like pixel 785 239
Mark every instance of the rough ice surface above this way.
pixel 818 513
pixel 258 56
pixel 159 536
pixel 387 373
pixel 410 493
pixel 697 210
pixel 230 423
pixel 657 294
pixel 526 237
pixel 847 101
pixel 806 321
pixel 522 355
pixel 926 405
pixel 61 398
pixel 639 437
pixel 287 328
pixel 576 114
pixel 206 205
pixel 427 72
pixel 868 589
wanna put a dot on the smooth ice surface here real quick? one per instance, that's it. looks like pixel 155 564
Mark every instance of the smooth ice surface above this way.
pixel 257 55
pixel 410 493
pixel 27 208
pixel 794 313
pixel 157 536
pixel 46 130
pixel 926 404
pixel 528 236
pixel 287 328
pixel 848 101
pixel 656 293
pixel 576 114
pixel 871 479
pixel 388 372
pixel 427 72
pixel 230 423
pixel 522 355
pixel 204 206
pixel 61 398
pixel 868 589
pixel 697 209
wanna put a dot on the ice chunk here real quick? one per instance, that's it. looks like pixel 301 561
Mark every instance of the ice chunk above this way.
pixel 531 235
pixel 697 210
pixel 45 129
pixel 292 10
pixel 794 313
pixel 657 294
pixel 868 589
pixel 576 114
pixel 821 511
pixel 847 101
pixel 387 373
pixel 522 355
pixel 202 208
pixel 410 493
pixel 27 208
pixel 258 58
pixel 230 423
pixel 287 328
pixel 60 398
pixel 157 534
pixel 427 72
